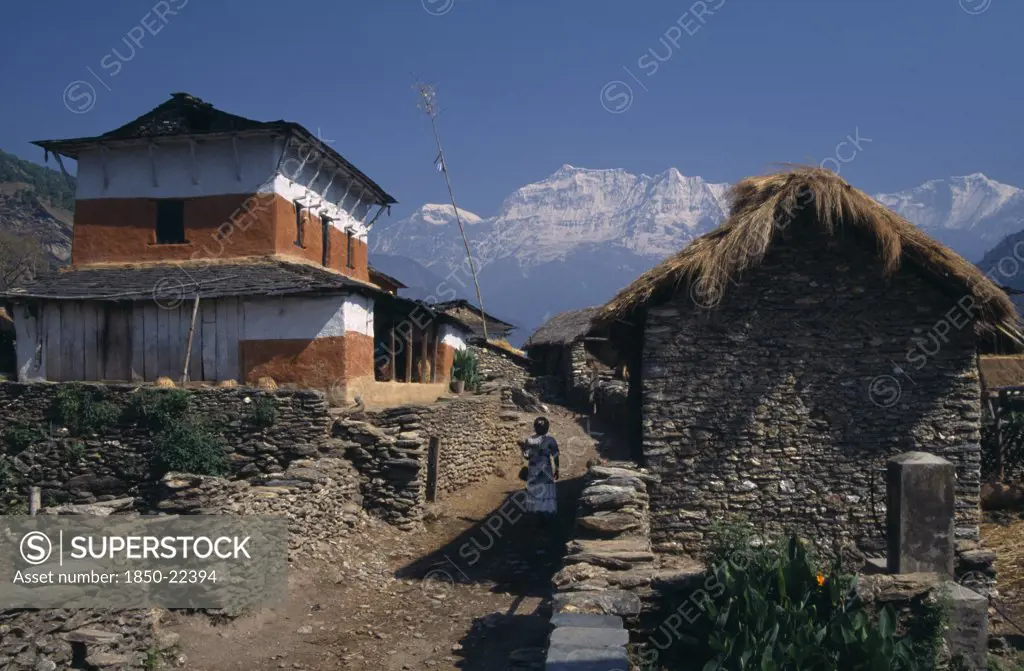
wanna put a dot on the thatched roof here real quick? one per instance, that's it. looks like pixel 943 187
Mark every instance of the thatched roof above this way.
pixel 763 205
pixel 564 328
pixel 1001 371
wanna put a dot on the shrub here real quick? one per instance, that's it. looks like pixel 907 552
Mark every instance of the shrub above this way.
pixel 263 412
pixel 84 410
pixel 156 409
pixel 181 442
pixel 189 446
pixel 770 607
pixel 20 437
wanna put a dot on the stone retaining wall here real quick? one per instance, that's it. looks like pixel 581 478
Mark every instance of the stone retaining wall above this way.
pixel 475 435
pixel 52 639
pixel 115 460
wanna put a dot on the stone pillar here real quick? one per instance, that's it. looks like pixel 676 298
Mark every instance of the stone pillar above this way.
pixel 921 489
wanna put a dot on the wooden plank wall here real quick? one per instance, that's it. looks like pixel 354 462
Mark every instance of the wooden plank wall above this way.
pixel 140 341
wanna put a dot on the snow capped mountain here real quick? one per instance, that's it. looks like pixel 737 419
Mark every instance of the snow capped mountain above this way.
pixel 971 214
pixel 576 237
pixel 546 220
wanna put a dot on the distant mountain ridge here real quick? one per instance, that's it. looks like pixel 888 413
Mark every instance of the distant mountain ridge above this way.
pixel 576 237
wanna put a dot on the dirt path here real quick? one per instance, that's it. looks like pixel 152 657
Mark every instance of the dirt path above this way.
pixel 469 593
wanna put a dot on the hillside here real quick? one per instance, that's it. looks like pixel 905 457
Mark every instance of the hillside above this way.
pixel 37 202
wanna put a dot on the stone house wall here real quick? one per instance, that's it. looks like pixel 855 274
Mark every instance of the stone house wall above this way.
pixel 114 462
pixel 496 363
pixel 476 436
pixel 783 402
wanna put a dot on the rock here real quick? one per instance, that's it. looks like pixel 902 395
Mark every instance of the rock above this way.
pixel 608 522
pixel 103 659
pixel 93 636
pixel 610 602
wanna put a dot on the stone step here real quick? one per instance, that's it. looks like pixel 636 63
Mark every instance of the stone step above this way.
pixel 588 637
pixel 624 549
pixel 607 602
pixel 586 620
pixel 586 659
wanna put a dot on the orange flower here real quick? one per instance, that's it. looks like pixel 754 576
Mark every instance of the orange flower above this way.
pixel 821 580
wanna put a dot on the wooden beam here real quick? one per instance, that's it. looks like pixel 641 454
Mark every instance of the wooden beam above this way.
pixel 394 361
pixel 408 356
pixel 433 356
pixel 423 355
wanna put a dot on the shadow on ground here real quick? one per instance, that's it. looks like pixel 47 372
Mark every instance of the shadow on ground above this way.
pixel 510 550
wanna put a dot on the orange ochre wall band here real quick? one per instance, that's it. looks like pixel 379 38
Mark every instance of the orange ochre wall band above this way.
pixel 123 230
pixel 321 363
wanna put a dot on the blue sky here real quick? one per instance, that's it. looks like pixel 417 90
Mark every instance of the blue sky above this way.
pixel 935 85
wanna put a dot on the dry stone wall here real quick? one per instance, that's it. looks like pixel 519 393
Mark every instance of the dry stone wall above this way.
pixel 113 461
pixel 476 434
pixel 495 363
pixel 52 639
pixel 782 403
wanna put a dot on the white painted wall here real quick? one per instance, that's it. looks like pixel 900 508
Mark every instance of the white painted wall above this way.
pixel 130 173
pixel 453 337
pixel 295 172
pixel 299 318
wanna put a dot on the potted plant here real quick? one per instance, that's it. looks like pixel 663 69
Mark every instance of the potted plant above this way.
pixel 464 371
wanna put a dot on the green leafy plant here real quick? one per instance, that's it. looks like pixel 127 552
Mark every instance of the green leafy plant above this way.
pixel 156 409
pixel 71 452
pixel 770 607
pixel 20 437
pixel 84 410
pixel 181 441
pixel 189 446
pixel 263 412
pixel 466 367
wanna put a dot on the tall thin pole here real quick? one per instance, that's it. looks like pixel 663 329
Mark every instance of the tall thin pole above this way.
pixel 428 94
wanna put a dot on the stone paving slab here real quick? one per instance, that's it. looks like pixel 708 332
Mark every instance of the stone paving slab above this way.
pixel 589 637
pixel 586 659
pixel 586 620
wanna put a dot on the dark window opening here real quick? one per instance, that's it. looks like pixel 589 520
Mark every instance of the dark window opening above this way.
pixel 348 248
pixel 300 227
pixel 170 222
pixel 325 224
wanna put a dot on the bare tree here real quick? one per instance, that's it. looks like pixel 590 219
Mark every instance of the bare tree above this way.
pixel 21 259
pixel 428 104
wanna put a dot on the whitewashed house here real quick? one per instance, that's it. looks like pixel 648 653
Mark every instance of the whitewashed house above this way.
pixel 246 239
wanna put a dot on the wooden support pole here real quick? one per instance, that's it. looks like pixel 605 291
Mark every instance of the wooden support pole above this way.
pixel 408 355
pixel 394 358
pixel 191 334
pixel 34 500
pixel 433 356
pixel 424 360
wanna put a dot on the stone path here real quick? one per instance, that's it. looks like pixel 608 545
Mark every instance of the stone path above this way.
pixel 470 593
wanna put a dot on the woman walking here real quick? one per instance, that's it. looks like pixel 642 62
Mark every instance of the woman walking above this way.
pixel 541 450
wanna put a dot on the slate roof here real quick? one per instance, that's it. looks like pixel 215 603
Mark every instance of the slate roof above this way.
pixel 187 115
pixel 564 328
pixel 462 304
pixel 173 282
